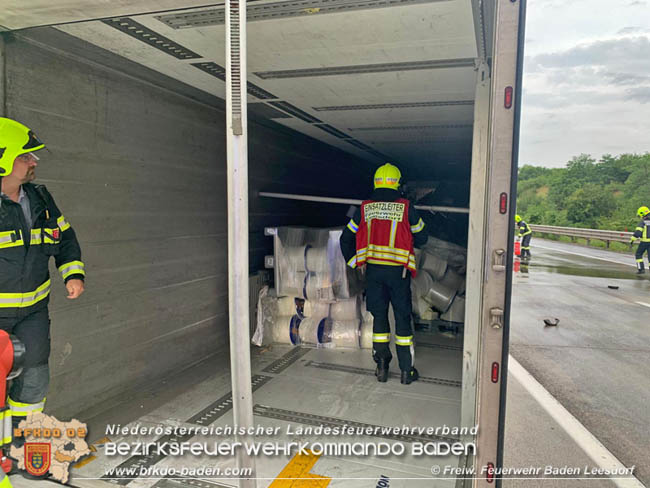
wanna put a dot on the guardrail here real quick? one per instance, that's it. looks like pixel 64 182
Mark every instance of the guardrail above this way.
pixel 588 234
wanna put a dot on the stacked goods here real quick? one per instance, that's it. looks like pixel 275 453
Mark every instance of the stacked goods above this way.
pixel 439 287
pixel 317 301
pixel 316 289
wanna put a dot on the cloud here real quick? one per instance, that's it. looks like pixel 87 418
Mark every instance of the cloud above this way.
pixel 628 78
pixel 633 29
pixel 626 51
pixel 637 3
pixel 640 94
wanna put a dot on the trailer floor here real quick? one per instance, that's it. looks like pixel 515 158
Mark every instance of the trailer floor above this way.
pixel 296 388
pixel 328 383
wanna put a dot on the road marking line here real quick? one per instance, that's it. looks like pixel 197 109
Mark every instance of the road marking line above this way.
pixel 592 447
pixel 296 473
pixel 585 255
pixel 644 304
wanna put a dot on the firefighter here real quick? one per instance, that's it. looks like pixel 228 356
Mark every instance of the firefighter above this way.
pixel 32 229
pixel 380 239
pixel 525 233
pixel 642 232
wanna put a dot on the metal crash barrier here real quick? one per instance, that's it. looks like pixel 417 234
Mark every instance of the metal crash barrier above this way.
pixel 588 234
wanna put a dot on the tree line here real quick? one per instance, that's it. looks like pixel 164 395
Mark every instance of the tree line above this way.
pixel 586 193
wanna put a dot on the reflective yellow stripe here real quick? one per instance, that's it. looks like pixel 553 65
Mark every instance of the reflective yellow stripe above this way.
pixel 19 409
pixel 417 227
pixel 403 252
pixel 353 262
pixel 381 338
pixel 21 300
pixel 393 232
pixel 73 267
pixel 404 340
pixel 62 223
pixel 5 482
pixel 35 237
pixel 353 226
pixel 10 238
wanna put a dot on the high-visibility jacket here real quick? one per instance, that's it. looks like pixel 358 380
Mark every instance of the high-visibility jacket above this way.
pixel 25 252
pixel 642 230
pixel 384 234
pixel 524 229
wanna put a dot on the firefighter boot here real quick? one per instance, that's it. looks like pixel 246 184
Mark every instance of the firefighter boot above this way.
pixel 409 377
pixel 382 370
pixel 640 268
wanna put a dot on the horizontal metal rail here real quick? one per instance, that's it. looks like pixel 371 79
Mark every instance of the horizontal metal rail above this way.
pixel 350 201
pixel 588 234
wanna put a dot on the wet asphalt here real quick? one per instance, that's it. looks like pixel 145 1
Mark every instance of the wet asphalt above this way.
pixel 596 361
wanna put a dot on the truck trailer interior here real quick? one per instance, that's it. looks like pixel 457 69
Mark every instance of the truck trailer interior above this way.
pixel 129 98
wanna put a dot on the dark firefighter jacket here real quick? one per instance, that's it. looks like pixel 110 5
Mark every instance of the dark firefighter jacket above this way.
pixel 25 252
pixel 642 230
pixel 524 229
pixel 348 238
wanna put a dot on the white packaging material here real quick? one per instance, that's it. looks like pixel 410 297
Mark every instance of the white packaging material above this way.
pixel 284 330
pixel 312 329
pixel 316 260
pixel 258 336
pixel 435 265
pixel 421 284
pixel 319 288
pixel 287 306
pixel 295 257
pixel 345 309
pixel 365 338
pixel 439 296
pixel 293 283
pixel 422 309
pixel 456 312
pixel 454 281
pixel 345 333
pixel 312 309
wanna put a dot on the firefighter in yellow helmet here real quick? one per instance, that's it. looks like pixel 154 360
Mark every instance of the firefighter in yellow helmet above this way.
pixel 381 236
pixel 642 232
pixel 525 233
pixel 32 230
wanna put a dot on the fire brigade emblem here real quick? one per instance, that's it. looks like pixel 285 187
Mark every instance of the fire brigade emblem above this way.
pixel 37 457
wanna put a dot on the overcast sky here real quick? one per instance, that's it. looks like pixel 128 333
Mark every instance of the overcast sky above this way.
pixel 586 80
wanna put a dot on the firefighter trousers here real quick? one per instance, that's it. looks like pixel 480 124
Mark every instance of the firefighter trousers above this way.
pixel 643 248
pixel 27 392
pixel 386 285
pixel 525 245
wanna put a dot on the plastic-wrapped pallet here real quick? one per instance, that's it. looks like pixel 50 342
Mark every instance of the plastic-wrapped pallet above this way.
pixel 309 264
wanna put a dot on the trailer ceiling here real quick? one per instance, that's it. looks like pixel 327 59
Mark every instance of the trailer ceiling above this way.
pixel 382 80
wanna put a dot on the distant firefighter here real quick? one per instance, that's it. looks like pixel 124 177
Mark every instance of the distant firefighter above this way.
pixel 642 232
pixel 525 233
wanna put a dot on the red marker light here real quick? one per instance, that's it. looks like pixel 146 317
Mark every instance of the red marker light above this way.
pixel 508 97
pixel 503 203
pixel 489 477
pixel 495 372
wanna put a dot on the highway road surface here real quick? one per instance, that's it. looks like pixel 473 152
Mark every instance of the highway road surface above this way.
pixel 596 361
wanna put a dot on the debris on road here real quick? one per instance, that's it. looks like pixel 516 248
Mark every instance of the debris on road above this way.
pixel 551 322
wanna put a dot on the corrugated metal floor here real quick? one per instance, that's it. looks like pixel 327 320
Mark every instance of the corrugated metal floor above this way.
pixel 298 388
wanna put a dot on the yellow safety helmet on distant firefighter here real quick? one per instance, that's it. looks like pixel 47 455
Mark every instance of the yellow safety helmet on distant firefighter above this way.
pixel 387 176
pixel 15 140
pixel 643 211
pixel 518 218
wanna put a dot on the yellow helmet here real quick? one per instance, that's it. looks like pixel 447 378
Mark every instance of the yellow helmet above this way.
pixel 643 211
pixel 517 218
pixel 15 139
pixel 387 176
